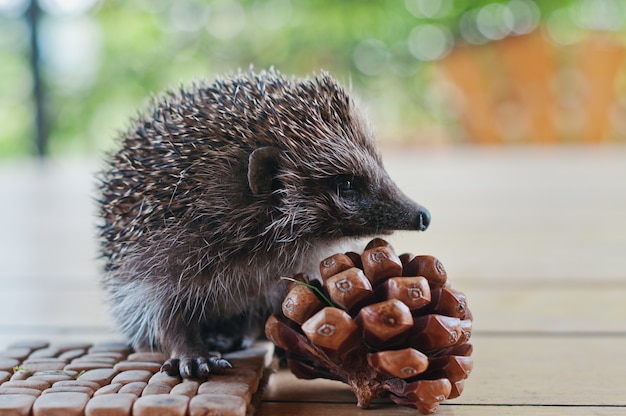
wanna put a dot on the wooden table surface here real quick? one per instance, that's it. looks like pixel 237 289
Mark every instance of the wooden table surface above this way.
pixel 535 237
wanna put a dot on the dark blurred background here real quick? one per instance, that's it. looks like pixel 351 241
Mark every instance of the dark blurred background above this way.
pixel 433 72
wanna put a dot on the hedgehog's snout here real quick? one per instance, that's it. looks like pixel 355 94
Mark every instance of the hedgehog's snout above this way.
pixel 396 211
pixel 417 218
pixel 423 219
pixel 406 215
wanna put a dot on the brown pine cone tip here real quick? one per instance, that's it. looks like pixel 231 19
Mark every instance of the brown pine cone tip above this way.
pixel 386 325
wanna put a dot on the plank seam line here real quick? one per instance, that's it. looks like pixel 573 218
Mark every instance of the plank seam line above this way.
pixel 549 334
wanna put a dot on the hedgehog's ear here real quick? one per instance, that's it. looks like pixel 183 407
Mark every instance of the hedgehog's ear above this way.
pixel 262 169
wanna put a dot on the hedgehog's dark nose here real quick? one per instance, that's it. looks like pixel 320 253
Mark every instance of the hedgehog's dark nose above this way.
pixel 423 217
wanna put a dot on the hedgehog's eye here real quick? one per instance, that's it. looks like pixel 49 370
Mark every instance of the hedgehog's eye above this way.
pixel 346 187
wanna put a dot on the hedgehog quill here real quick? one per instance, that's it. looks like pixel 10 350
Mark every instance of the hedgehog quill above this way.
pixel 221 188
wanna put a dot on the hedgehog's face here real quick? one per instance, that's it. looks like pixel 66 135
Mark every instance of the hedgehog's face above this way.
pixel 355 205
pixel 335 201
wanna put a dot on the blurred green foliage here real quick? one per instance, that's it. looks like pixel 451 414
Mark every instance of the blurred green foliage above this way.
pixel 102 59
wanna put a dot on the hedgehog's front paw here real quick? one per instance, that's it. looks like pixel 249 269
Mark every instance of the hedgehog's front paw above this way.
pixel 195 366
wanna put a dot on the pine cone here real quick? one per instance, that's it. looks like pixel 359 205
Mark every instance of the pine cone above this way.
pixel 386 325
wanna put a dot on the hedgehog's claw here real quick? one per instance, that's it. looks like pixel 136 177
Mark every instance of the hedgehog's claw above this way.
pixel 170 367
pixel 223 364
pixel 195 367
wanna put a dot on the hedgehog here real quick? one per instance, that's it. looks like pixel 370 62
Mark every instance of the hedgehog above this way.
pixel 221 188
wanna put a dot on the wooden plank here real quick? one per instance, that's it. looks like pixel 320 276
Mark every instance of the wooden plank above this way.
pixel 48 219
pixel 290 409
pixel 546 307
pixel 510 371
pixel 283 386
pixel 509 306
pixel 501 306
pixel 505 212
pixel 523 213
pixel 547 370
pixel 39 308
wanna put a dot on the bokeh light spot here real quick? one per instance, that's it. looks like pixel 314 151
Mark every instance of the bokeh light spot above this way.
pixel 227 20
pixel 272 14
pixel 495 21
pixel 66 7
pixel 371 57
pixel 13 8
pixel 430 42
pixel 526 16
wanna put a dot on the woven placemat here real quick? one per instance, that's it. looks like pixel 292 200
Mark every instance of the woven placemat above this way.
pixel 42 379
